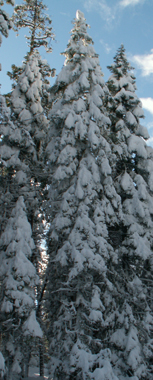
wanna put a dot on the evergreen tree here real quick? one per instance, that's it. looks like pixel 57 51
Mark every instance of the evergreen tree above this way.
pixel 29 115
pixel 14 181
pixel 23 129
pixel 133 180
pixel 28 112
pixel 18 293
pixel 124 107
pixel 29 106
pixel 22 150
pixel 83 202
pixel 101 206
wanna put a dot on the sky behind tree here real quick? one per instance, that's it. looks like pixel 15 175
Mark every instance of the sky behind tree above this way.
pixel 112 22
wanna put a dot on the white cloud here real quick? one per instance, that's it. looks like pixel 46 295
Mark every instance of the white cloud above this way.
pixel 125 3
pixel 145 63
pixel 109 13
pixel 65 14
pixel 106 46
pixel 147 103
pixel 106 12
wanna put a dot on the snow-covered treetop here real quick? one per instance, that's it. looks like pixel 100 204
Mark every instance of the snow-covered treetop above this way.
pixel 77 96
pixel 81 65
pixel 79 15
pixel 79 37
pixel 79 89
pixel 125 107
pixel 121 65
pixel 122 75
pixel 32 14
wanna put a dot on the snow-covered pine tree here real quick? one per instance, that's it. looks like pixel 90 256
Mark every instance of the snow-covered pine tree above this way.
pixel 29 98
pixel 22 140
pixel 14 180
pixel 29 115
pixel 83 204
pixel 19 279
pixel 132 176
pixel 124 106
pixel 29 106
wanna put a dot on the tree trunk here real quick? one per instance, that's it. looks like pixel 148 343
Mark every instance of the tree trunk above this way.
pixel 34 29
pixel 27 360
pixel 41 357
pixel 9 368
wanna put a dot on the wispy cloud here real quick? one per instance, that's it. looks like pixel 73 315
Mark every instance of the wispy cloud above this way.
pixel 145 63
pixel 109 13
pixel 106 46
pixel 147 104
pixel 126 3
pixel 106 12
pixel 65 14
pixel 112 12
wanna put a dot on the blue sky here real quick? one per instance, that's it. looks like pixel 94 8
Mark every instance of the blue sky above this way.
pixel 112 22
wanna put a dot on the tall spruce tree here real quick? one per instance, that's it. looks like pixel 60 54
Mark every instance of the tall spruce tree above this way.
pixel 133 180
pixel 23 129
pixel 23 140
pixel 15 178
pixel 101 208
pixel 29 106
pixel 83 203
pixel 28 112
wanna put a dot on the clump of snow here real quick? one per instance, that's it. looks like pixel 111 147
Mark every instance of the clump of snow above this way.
pixel 79 15
pixel 131 120
pixel 127 183
pixel 137 145
pixel 32 327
